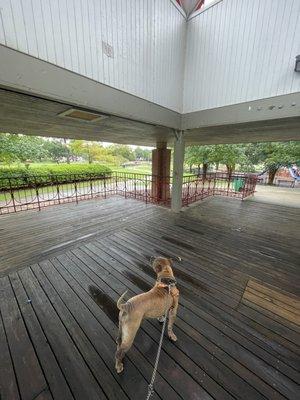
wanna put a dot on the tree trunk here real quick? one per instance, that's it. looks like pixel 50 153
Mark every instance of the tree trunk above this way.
pixel 205 168
pixel 198 169
pixel 229 170
pixel 191 168
pixel 272 173
pixel 68 154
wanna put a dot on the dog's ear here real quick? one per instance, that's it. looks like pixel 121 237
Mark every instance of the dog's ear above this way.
pixel 175 258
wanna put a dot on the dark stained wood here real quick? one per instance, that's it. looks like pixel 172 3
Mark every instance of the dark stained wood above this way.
pixel 237 329
pixel 75 315
pixel 51 369
pixel 79 377
pixel 226 340
pixel 40 234
pixel 8 382
pixel 29 374
pixel 271 304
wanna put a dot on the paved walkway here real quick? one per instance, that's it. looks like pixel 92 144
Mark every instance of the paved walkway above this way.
pixel 289 197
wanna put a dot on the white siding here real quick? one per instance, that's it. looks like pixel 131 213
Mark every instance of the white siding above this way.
pixel 241 50
pixel 148 39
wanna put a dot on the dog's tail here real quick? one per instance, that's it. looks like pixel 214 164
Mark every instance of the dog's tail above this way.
pixel 120 303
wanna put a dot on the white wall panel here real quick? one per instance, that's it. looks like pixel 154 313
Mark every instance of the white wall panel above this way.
pixel 241 50
pixel 147 36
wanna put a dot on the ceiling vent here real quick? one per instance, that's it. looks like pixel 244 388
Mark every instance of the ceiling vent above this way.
pixel 82 115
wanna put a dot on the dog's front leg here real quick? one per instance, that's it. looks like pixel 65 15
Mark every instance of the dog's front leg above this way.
pixel 172 317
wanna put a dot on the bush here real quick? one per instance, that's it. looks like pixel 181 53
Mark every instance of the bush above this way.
pixel 43 175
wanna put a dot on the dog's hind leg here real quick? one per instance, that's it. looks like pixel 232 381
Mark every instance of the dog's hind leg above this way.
pixel 119 337
pixel 172 317
pixel 129 331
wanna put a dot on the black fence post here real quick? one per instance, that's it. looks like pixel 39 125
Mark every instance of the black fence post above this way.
pixel 12 194
pixel 75 187
pixel 37 193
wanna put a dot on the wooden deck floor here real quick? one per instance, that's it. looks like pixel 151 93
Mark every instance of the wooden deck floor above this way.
pixel 238 321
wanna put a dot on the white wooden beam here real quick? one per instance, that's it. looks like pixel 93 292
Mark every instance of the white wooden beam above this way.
pixel 178 159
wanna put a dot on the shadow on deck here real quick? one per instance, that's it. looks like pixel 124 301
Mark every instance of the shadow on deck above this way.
pixel 238 321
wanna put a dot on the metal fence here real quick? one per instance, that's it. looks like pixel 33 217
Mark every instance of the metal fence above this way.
pixel 198 187
pixel 19 194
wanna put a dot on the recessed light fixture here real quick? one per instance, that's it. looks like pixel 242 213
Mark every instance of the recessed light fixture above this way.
pixel 82 115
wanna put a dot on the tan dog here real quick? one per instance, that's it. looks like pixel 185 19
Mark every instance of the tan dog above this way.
pixel 151 304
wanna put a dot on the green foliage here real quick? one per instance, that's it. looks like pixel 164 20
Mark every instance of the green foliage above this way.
pixel 142 154
pixel 49 174
pixel 21 148
pixel 121 150
pixel 229 155
pixel 93 151
pixel 274 155
pixel 195 155
pixel 56 150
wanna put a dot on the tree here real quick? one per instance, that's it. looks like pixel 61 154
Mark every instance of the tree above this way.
pixel 197 155
pixel 228 154
pixel 21 148
pixel 142 154
pixel 56 150
pixel 84 149
pixel 277 154
pixel 121 150
pixel 9 148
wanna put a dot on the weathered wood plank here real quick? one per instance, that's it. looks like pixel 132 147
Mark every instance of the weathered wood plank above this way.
pixel 55 378
pixel 185 386
pixel 30 377
pixel 80 379
pixel 266 303
pixel 284 298
pixel 8 384
pixel 248 359
pixel 86 332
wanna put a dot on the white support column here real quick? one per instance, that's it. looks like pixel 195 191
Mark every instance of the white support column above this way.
pixel 178 159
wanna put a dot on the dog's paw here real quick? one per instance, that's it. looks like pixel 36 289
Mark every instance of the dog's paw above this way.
pixel 172 336
pixel 119 367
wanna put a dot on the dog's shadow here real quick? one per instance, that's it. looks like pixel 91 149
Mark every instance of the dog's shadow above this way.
pixel 106 303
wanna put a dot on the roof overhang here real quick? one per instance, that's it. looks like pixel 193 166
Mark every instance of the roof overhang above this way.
pixel 35 95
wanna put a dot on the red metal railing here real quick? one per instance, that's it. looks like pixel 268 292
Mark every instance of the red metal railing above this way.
pixel 198 187
pixel 17 194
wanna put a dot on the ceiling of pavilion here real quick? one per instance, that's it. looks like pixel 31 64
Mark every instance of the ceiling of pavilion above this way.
pixel 22 113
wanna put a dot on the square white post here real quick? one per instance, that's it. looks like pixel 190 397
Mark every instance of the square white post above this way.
pixel 178 159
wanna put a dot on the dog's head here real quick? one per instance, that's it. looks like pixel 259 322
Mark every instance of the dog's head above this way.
pixel 163 267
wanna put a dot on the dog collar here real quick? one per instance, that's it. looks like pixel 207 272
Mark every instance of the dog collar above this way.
pixel 167 281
